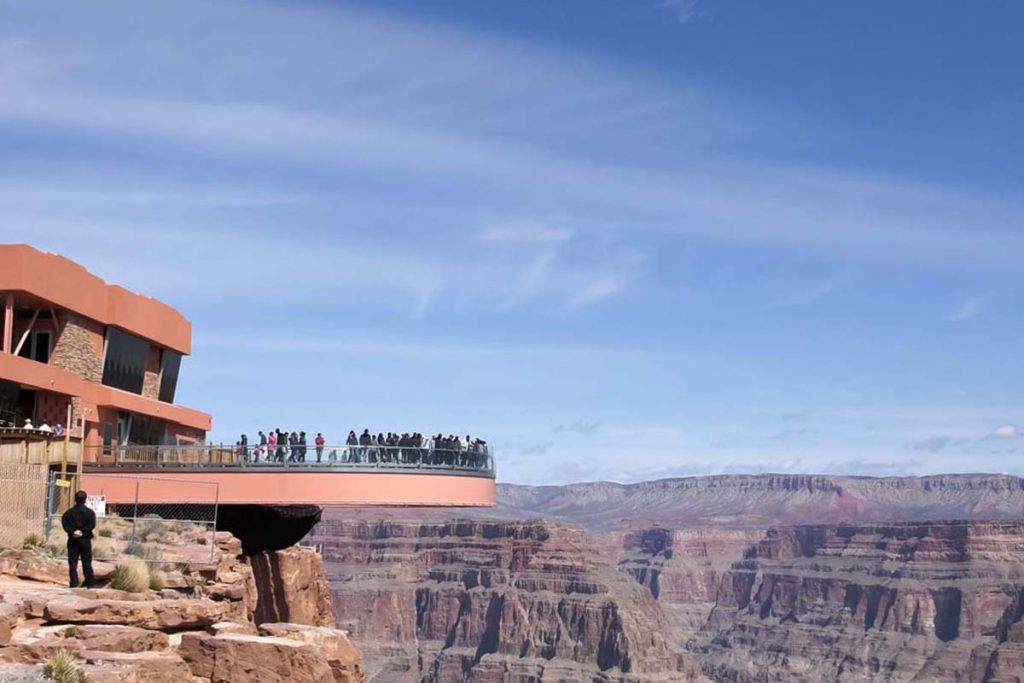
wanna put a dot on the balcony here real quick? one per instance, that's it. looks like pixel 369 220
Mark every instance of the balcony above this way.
pixel 342 475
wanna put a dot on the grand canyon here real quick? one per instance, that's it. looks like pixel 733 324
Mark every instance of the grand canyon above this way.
pixel 726 578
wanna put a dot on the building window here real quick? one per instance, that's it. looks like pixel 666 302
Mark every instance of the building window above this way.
pixel 37 346
pixel 170 364
pixel 108 438
pixel 124 365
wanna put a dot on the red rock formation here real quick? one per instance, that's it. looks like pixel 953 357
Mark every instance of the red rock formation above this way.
pixel 202 626
pixel 292 587
pixel 868 602
pixel 759 501
pixel 864 601
pixel 491 602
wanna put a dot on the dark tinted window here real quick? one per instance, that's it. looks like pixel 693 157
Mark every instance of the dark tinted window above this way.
pixel 147 431
pixel 125 364
pixel 108 437
pixel 170 363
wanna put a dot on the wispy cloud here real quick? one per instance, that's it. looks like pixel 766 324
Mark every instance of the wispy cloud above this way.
pixel 1006 432
pixel 595 291
pixel 809 294
pixel 501 158
pixel 685 11
pixel 578 427
pixel 969 309
pixel 932 444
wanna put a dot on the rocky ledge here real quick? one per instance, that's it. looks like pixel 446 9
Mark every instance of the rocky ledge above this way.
pixel 205 626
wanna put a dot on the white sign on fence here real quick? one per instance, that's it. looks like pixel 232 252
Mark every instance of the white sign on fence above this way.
pixel 97 504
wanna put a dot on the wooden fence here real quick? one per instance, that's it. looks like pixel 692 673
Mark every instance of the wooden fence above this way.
pixel 39 451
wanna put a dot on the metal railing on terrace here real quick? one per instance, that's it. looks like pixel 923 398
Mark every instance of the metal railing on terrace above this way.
pixel 477 460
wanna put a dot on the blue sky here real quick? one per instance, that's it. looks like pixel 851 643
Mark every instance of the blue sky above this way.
pixel 620 240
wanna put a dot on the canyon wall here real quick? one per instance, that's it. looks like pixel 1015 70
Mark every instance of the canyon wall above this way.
pixel 891 602
pixel 491 601
pixel 770 578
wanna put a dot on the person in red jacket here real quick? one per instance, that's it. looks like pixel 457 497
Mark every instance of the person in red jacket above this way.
pixel 319 441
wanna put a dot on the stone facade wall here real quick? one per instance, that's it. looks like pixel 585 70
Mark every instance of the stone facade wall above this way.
pixel 75 349
pixel 151 380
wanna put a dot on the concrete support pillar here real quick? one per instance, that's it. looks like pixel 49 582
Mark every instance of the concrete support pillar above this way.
pixel 8 322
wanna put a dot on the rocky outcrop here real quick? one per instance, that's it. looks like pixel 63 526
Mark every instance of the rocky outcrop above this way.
pixel 231 658
pixel 292 587
pixel 487 602
pixel 342 655
pixel 200 627
pixel 158 614
pixel 267 527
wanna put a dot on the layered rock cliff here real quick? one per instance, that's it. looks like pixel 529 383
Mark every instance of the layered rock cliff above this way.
pixel 763 578
pixel 762 500
pixel 890 602
pixel 484 601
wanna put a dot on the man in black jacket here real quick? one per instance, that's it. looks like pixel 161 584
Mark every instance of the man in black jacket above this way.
pixel 78 523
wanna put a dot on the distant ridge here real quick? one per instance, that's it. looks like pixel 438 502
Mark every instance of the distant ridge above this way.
pixel 761 500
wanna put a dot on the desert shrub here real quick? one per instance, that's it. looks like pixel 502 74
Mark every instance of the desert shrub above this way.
pixel 33 540
pixel 130 575
pixel 60 668
pixel 157 580
pixel 106 532
pixel 141 550
pixel 54 550
pixel 150 524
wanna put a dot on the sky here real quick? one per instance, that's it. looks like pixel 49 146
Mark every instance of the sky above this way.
pixel 617 239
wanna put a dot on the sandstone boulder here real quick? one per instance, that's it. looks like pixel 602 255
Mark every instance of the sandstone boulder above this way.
pixel 227 543
pixel 233 627
pixel 9 615
pixel 46 572
pixel 341 654
pixel 292 587
pixel 160 615
pixel 126 639
pixel 56 571
pixel 35 645
pixel 230 658
pixel 138 667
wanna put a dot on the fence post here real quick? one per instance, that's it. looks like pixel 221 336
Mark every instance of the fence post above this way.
pixel 135 511
pixel 49 503
pixel 213 531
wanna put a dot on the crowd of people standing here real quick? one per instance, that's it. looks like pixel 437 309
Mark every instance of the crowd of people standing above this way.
pixel 277 446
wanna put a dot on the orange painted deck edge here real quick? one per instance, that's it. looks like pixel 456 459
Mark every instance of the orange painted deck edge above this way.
pixel 327 489
pixel 68 285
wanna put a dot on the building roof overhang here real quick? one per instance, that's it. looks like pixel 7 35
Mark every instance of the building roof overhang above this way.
pixel 67 285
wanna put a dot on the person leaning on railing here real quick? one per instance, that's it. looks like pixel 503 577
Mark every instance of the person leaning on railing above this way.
pixel 405 449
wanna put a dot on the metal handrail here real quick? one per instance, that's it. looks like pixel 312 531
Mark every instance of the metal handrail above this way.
pixel 477 460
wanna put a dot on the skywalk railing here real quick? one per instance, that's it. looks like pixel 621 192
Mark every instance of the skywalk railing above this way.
pixel 474 460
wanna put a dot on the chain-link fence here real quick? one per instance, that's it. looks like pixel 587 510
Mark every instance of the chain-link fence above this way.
pixel 23 495
pixel 157 519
